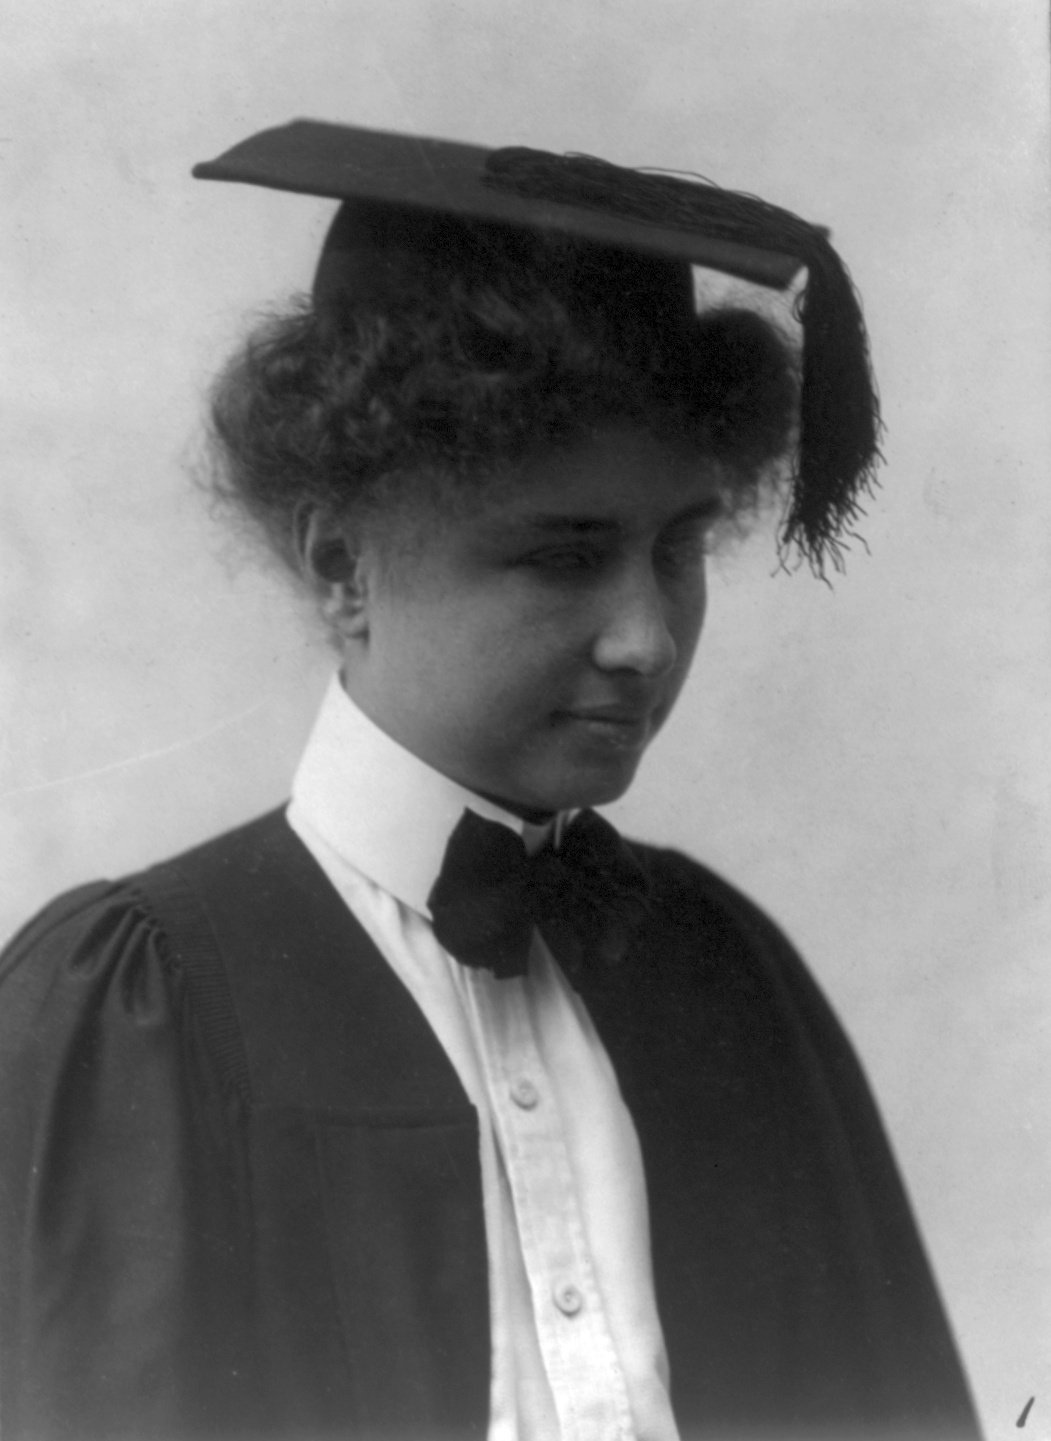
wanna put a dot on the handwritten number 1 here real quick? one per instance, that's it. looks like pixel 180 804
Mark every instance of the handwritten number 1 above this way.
pixel 1025 1414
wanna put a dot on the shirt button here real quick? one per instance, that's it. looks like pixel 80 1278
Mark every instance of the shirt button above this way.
pixel 568 1299
pixel 525 1094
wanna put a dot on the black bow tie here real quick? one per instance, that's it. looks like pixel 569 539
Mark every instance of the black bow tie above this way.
pixel 585 898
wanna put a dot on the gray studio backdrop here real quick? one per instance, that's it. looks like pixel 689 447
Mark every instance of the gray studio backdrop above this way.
pixel 869 760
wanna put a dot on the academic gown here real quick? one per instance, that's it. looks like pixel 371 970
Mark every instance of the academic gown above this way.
pixel 241 1193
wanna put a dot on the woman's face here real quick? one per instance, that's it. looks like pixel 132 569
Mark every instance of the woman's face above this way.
pixel 531 647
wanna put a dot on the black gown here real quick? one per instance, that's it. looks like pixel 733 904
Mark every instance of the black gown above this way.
pixel 241 1197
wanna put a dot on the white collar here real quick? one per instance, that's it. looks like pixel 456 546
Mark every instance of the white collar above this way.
pixel 382 808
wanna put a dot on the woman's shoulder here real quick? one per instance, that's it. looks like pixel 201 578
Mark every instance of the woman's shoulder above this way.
pixel 101 942
pixel 689 896
pixel 713 939
pixel 80 935
pixel 130 957
pixel 103 924
pixel 85 981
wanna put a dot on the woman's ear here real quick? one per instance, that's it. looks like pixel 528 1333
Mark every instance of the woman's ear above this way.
pixel 328 550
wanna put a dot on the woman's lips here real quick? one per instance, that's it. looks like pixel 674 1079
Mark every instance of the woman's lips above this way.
pixel 619 726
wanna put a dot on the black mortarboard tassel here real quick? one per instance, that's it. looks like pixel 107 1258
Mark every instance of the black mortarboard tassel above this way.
pixel 653 213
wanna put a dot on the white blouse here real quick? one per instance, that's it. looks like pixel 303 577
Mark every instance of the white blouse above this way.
pixel 577 1347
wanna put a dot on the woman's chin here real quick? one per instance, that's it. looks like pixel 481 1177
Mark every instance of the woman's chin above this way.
pixel 593 785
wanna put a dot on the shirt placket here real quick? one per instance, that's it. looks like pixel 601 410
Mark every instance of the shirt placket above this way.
pixel 576 1345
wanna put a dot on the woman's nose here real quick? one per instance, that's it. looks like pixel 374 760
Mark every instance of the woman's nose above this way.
pixel 635 634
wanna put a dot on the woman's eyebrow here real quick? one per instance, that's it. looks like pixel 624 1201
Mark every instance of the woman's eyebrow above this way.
pixel 711 508
pixel 578 524
pixel 523 529
pixel 708 509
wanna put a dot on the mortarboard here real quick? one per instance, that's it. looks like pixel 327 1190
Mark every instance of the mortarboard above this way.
pixel 609 208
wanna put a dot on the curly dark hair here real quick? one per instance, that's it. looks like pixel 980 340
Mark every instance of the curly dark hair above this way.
pixel 502 343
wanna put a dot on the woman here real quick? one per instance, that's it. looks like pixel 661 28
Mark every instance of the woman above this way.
pixel 430 1106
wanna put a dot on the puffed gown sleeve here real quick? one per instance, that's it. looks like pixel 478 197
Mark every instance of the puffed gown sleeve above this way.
pixel 121 1200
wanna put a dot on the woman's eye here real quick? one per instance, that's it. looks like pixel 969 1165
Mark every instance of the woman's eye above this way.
pixel 563 558
pixel 682 552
